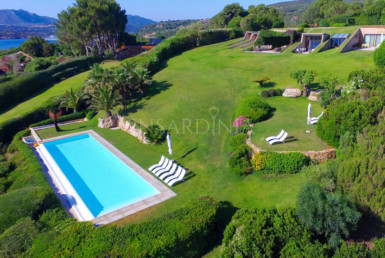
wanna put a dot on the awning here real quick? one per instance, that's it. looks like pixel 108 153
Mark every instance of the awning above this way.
pixel 340 36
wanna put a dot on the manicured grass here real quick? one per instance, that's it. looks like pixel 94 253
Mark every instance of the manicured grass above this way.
pixel 183 100
pixel 27 106
pixel 291 115
pixel 334 30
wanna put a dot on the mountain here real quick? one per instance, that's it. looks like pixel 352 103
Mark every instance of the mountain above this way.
pixel 293 10
pixel 23 18
pixel 135 23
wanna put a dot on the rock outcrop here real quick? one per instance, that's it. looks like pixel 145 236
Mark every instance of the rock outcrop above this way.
pixel 313 96
pixel 292 93
pixel 108 122
pixel 132 129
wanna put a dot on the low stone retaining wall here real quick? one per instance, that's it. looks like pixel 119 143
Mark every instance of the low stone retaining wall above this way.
pixel 319 156
pixel 118 121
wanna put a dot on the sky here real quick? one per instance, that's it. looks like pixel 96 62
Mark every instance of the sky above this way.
pixel 157 10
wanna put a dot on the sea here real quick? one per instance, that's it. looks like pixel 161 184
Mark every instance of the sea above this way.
pixel 11 43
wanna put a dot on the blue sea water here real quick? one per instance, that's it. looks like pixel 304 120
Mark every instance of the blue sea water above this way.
pixel 102 180
pixel 11 43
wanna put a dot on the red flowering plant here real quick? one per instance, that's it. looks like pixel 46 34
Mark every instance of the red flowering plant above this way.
pixel 241 124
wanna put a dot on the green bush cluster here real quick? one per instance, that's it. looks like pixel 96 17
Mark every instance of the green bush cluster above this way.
pixel 269 37
pixel 187 232
pixel 37 64
pixel 344 115
pixel 379 56
pixel 237 140
pixel 280 163
pixel 69 117
pixel 24 86
pixel 331 215
pixel 154 133
pixel 272 93
pixel 254 109
pixel 269 233
pixel 154 60
pixel 239 161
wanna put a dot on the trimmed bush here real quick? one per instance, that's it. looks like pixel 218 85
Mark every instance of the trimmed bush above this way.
pixel 18 238
pixel 272 93
pixel 237 140
pixel 240 160
pixel 379 56
pixel 276 39
pixel 254 109
pixel 37 64
pixel 91 113
pixel 187 232
pixel 280 163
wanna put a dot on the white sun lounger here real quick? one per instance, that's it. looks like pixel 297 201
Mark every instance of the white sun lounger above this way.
pixel 165 164
pixel 314 120
pixel 166 169
pixel 173 169
pixel 273 139
pixel 173 180
pixel 160 163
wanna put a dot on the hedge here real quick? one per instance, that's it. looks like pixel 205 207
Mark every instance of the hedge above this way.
pixel 237 140
pixel 24 86
pixel 280 163
pixel 154 59
pixel 276 39
pixel 379 56
pixel 186 232
pixel 239 161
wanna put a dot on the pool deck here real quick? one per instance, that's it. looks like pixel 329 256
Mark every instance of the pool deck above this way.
pixel 164 192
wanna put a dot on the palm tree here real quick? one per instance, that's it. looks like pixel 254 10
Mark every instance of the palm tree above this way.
pixel 143 78
pixel 73 99
pixel 104 98
pixel 98 76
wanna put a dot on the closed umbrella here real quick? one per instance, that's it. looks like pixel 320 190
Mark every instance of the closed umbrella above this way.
pixel 309 114
pixel 169 144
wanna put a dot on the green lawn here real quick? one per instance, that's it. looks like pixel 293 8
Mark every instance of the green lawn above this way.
pixel 334 30
pixel 182 100
pixel 291 115
pixel 27 106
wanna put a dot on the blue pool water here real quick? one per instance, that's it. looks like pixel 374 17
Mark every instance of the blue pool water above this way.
pixel 102 180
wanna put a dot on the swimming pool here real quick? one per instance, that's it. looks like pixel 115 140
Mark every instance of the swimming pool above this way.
pixel 96 182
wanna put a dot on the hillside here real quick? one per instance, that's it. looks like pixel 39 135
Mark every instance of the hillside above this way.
pixel 293 10
pixel 167 29
pixel 23 18
pixel 135 23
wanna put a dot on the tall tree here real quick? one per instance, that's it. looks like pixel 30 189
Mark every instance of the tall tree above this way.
pixel 142 78
pixel 103 98
pixel 95 25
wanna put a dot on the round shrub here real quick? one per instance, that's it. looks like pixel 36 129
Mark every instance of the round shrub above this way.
pixel 272 92
pixel 379 56
pixel 90 113
pixel 240 160
pixel 279 92
pixel 265 94
pixel 254 109
pixel 154 133
pixel 237 140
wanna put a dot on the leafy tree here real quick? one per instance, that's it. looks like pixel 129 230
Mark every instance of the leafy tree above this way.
pixel 38 47
pixel 230 11
pixel 328 214
pixel 329 92
pixel 104 98
pixel 55 117
pixel 235 22
pixel 249 23
pixel 94 25
pixel 304 78
pixel 73 99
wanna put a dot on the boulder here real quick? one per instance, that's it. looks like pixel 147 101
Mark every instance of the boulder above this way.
pixel 133 130
pixel 292 93
pixel 313 96
pixel 108 122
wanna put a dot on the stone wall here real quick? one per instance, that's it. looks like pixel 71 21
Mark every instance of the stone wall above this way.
pixel 130 128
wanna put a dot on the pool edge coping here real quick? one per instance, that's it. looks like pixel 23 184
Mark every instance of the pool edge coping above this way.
pixel 164 194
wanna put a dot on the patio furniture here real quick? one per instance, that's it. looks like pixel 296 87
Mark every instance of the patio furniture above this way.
pixel 172 180
pixel 314 120
pixel 165 164
pixel 166 169
pixel 173 169
pixel 160 163
pixel 274 139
